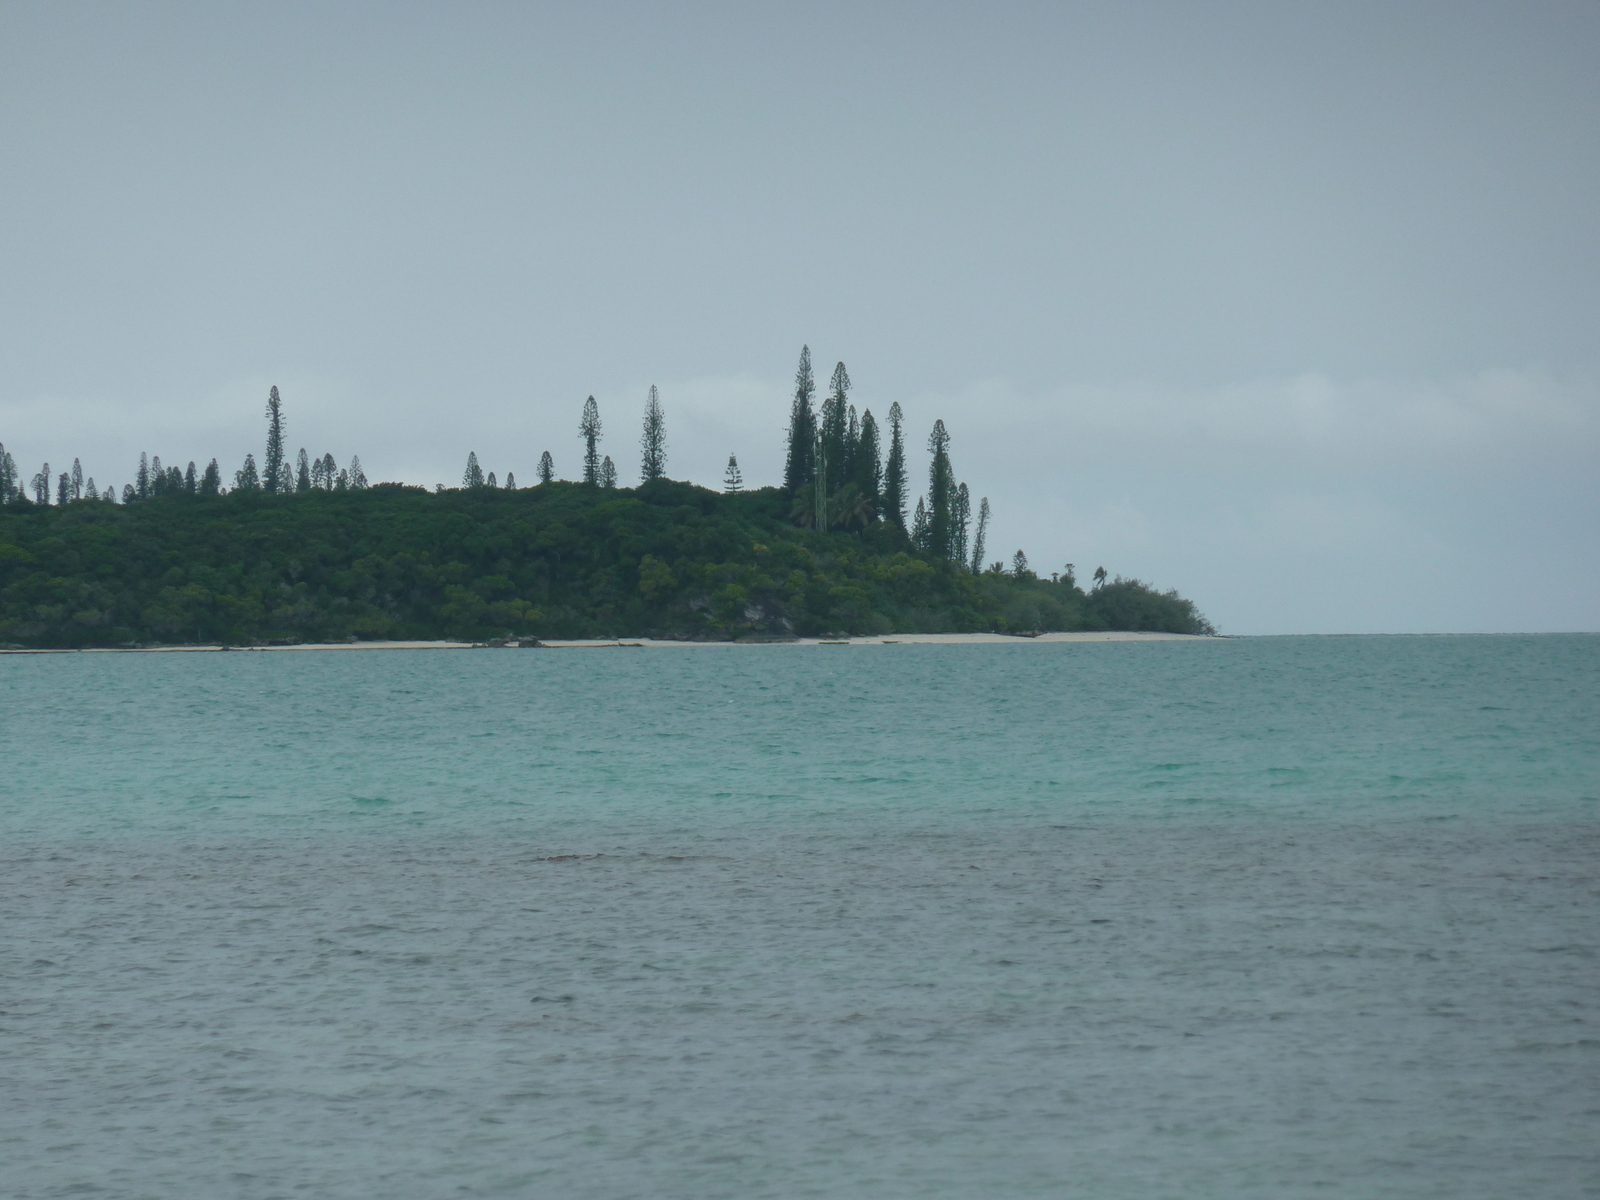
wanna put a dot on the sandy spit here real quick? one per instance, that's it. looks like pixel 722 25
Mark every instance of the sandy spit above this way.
pixel 892 639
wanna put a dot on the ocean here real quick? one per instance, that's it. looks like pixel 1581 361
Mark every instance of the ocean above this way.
pixel 1273 917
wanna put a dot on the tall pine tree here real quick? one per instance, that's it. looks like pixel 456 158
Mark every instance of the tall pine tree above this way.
pixel 273 474
pixel 980 535
pixel 654 440
pixel 732 478
pixel 589 431
pixel 836 430
pixel 894 472
pixel 798 467
pixel 302 472
pixel 867 465
pixel 608 473
pixel 941 492
pixel 547 467
pixel 472 477
pixel 960 520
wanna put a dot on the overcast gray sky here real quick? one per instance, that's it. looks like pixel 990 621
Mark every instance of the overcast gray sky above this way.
pixel 1294 307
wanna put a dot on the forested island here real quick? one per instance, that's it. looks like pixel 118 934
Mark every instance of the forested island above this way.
pixel 306 551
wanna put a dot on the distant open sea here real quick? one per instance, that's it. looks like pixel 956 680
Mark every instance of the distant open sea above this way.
pixel 1272 917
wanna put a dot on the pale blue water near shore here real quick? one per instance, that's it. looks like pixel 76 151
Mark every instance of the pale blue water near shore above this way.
pixel 1279 918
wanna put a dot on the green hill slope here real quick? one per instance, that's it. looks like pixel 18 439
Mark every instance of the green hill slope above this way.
pixel 559 560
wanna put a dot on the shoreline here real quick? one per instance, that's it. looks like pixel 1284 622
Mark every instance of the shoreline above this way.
pixel 888 639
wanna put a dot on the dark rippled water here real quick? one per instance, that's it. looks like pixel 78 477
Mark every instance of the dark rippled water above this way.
pixel 1274 918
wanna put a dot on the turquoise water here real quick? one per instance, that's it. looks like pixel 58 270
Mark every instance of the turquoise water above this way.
pixel 1269 917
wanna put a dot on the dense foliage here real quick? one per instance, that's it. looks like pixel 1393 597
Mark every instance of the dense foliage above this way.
pixel 561 559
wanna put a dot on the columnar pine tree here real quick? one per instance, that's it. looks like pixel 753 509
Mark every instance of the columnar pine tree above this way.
pixel 491 481
pixel 158 476
pixel 980 535
pixel 358 477
pixel 867 465
pixel 589 430
pixel 127 493
pixel 919 527
pixel 836 430
pixel 64 488
pixel 654 440
pixel 191 480
pixel 473 476
pixel 732 478
pixel 608 473
pixel 1019 565
pixel 330 472
pixel 90 492
pixel 797 467
pixel 894 473
pixel 77 480
pixel 547 467
pixel 41 485
pixel 141 480
pixel 941 492
pixel 302 472
pixel 511 480
pixel 245 479
pixel 960 520
pixel 8 476
pixel 211 481
pixel 174 481
pixel 852 441
pixel 272 472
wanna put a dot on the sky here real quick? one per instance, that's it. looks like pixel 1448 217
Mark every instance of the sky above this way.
pixel 1295 308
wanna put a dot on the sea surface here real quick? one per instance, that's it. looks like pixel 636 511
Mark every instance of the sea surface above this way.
pixel 1279 917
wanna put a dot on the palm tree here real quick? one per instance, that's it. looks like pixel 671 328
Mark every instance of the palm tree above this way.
pixel 1099 576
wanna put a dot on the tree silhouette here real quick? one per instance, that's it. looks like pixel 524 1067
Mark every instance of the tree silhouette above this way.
pixel 77 480
pixel 798 466
pixel 960 518
pixel 211 481
pixel 979 536
pixel 589 430
pixel 654 440
pixel 867 463
pixel 1099 577
pixel 834 432
pixel 1019 564
pixel 732 479
pixel 302 472
pixel 472 477
pixel 608 473
pixel 272 472
pixel 245 478
pixel 547 468
pixel 894 473
pixel 358 477
pixel 941 492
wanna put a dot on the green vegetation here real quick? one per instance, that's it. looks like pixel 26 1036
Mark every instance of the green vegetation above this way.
pixel 308 552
